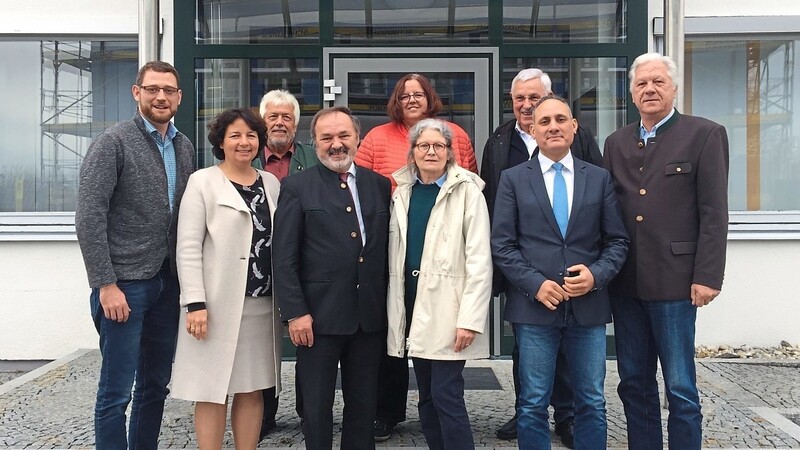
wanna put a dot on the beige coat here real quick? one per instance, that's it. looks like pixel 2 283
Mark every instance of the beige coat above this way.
pixel 215 231
pixel 455 280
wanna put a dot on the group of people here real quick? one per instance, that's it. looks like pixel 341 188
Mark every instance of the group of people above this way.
pixel 378 250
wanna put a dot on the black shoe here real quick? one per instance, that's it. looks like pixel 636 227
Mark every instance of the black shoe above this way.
pixel 566 431
pixel 267 426
pixel 383 430
pixel 509 430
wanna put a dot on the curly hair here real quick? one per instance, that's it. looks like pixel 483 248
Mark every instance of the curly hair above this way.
pixel 219 125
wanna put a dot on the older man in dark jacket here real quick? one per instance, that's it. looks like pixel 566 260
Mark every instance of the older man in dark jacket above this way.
pixel 510 145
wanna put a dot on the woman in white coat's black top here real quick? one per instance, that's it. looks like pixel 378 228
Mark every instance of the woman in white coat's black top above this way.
pixel 231 344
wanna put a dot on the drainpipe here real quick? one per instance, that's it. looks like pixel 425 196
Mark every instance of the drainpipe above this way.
pixel 148 31
pixel 674 42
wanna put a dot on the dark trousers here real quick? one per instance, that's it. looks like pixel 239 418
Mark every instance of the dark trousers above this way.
pixel 442 411
pixel 271 402
pixel 562 398
pixel 359 356
pixel 392 389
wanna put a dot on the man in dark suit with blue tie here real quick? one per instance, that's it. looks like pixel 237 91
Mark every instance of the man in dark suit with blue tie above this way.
pixel 330 260
pixel 559 239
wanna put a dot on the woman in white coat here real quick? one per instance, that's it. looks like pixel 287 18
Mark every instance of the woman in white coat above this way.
pixel 231 344
pixel 440 279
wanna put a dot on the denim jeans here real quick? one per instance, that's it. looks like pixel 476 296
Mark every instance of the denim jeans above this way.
pixel 442 410
pixel 141 351
pixel 647 331
pixel 561 399
pixel 585 348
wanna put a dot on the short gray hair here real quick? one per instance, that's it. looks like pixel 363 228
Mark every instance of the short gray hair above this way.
pixel 279 97
pixel 672 68
pixel 432 124
pixel 531 74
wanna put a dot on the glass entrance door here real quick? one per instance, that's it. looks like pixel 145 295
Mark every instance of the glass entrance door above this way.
pixel 363 79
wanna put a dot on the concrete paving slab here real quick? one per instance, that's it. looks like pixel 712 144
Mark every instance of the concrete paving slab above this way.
pixel 745 405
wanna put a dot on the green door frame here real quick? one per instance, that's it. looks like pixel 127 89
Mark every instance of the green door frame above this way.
pixel 187 51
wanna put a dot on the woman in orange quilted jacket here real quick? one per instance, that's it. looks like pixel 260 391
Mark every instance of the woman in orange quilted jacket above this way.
pixel 385 148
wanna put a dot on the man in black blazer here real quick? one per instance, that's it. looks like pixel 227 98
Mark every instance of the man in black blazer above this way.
pixel 330 261
pixel 512 144
pixel 558 260
pixel 671 177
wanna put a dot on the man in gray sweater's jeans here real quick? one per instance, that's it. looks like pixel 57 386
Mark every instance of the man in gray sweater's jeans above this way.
pixel 131 184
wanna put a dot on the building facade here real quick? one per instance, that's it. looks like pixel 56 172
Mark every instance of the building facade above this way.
pixel 74 64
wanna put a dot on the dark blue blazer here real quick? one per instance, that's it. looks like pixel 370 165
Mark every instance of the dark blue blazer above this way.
pixel 528 248
pixel 319 264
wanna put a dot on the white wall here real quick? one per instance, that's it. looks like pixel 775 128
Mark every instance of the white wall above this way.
pixel 44 300
pixel 82 17
pixel 759 304
pixel 723 8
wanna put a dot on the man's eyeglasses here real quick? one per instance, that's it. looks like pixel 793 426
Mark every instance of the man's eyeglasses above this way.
pixel 153 90
pixel 533 98
pixel 425 147
pixel 416 95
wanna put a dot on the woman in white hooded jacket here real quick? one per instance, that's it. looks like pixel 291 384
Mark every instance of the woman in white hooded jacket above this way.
pixel 440 279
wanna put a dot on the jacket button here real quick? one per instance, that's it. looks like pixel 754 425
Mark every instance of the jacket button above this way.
pixel 642 191
pixel 353 234
pixel 361 259
pixel 677 169
pixel 639 218
pixel 641 169
pixel 343 185
pixel 349 209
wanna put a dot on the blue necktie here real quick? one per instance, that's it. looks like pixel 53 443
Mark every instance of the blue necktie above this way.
pixel 560 203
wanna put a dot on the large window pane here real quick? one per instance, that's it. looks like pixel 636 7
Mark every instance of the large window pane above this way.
pixel 240 83
pixel 596 88
pixel 256 21
pixel 601 21
pixel 63 94
pixel 755 99
pixel 369 93
pixel 411 20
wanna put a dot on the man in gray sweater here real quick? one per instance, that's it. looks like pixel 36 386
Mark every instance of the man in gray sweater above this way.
pixel 131 183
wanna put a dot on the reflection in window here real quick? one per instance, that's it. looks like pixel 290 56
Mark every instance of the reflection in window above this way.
pixel 256 21
pixel 416 20
pixel 237 83
pixel 600 21
pixel 63 94
pixel 368 93
pixel 755 99
pixel 597 89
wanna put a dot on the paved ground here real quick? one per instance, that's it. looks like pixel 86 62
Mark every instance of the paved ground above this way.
pixel 754 404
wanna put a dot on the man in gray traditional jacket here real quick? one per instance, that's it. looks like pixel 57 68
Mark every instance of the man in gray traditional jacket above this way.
pixel 131 183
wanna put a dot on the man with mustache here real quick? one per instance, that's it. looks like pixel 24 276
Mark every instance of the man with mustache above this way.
pixel 282 156
pixel 330 254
